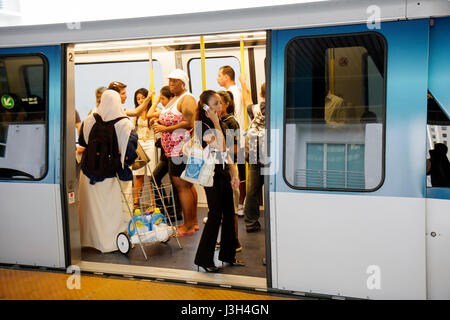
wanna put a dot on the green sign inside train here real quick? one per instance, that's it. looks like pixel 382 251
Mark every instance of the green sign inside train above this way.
pixel 7 101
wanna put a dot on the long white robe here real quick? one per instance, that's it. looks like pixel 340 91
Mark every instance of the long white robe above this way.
pixel 103 211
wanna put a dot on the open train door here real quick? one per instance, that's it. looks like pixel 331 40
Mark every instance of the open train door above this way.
pixel 347 188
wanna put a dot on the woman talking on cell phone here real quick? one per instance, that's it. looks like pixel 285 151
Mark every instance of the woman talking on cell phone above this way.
pixel 220 195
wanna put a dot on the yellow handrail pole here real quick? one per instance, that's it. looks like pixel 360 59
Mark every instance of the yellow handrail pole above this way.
pixel 152 83
pixel 331 88
pixel 152 89
pixel 243 72
pixel 245 107
pixel 202 52
pixel 242 55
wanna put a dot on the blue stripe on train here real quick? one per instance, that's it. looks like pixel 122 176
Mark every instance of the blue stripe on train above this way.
pixel 438 193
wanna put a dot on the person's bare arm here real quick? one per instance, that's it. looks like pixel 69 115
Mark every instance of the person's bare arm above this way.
pixel 246 95
pixel 136 112
pixel 215 141
pixel 78 126
pixel 218 141
pixel 152 113
pixel 235 181
pixel 188 108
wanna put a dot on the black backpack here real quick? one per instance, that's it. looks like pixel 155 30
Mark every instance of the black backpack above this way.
pixel 102 152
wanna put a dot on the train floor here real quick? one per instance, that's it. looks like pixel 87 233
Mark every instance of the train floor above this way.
pixel 171 256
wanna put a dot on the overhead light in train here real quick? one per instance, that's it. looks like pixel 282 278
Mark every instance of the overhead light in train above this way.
pixel 147 43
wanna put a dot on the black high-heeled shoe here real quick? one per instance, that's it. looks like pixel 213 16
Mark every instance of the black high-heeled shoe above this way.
pixel 235 263
pixel 211 269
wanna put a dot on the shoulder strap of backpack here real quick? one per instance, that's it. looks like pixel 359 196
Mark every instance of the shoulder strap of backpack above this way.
pixel 116 120
pixel 97 117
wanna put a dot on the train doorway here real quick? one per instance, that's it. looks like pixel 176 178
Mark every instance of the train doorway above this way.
pixel 91 66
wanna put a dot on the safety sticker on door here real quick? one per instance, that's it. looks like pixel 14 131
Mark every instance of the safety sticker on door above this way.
pixel 71 197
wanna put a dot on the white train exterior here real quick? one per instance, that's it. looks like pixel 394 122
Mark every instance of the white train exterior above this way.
pixel 380 234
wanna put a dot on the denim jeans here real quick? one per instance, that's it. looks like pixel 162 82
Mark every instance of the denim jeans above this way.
pixel 255 183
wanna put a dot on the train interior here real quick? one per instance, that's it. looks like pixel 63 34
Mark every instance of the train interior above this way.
pixel 98 64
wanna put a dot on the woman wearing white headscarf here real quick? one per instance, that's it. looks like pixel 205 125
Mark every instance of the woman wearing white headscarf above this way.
pixel 102 217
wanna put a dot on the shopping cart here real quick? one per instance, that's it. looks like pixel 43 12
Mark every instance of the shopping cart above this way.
pixel 150 221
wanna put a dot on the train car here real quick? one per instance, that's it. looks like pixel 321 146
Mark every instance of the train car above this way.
pixel 357 97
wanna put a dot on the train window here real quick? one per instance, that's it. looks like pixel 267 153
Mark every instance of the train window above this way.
pixel 23 116
pixel 437 145
pixel 330 165
pixel 33 76
pixel 212 66
pixel 335 111
pixel 3 82
pixel 135 74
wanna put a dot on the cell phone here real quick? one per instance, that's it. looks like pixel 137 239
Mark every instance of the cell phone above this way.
pixel 206 107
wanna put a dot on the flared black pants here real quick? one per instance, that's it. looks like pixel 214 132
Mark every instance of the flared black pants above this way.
pixel 221 209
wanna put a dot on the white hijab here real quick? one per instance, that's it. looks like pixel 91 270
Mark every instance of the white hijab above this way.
pixel 110 108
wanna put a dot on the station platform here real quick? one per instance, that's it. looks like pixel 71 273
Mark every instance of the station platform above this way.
pixel 17 284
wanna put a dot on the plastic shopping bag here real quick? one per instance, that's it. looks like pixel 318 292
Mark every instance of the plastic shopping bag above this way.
pixel 200 166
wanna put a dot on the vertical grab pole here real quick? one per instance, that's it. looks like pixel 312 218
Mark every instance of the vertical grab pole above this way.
pixel 332 61
pixel 245 107
pixel 243 72
pixel 202 52
pixel 152 92
pixel 150 60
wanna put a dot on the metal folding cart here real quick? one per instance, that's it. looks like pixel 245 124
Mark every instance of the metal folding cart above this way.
pixel 150 221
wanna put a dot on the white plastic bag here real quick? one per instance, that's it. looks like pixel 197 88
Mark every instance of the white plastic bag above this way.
pixel 200 165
